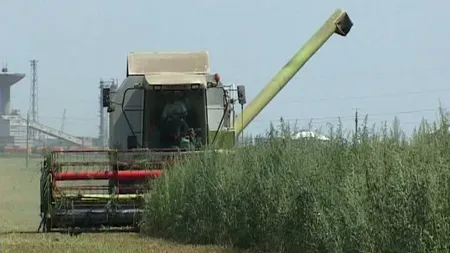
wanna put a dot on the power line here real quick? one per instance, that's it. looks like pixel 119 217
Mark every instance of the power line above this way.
pixel 397 94
pixel 407 112
pixel 314 100
pixel 70 118
pixel 411 72
pixel 348 117
pixel 320 119
pixel 67 98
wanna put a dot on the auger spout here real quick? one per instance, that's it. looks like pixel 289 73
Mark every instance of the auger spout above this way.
pixel 339 23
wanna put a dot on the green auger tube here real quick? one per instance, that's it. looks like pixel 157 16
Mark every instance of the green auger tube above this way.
pixel 338 23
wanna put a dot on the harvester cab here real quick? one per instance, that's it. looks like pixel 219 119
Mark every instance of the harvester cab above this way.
pixel 170 102
pixel 168 107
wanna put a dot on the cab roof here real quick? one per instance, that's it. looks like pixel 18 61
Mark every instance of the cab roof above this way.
pixel 171 68
pixel 168 62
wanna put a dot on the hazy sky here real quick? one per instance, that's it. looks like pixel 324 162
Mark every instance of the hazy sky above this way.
pixel 394 61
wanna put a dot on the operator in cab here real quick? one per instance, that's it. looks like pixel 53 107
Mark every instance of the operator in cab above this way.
pixel 176 105
pixel 174 128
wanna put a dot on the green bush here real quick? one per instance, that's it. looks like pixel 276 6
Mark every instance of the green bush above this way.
pixel 375 192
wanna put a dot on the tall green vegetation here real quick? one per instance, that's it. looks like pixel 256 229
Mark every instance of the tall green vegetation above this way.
pixel 375 192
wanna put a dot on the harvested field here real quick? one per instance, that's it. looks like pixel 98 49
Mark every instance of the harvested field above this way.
pixel 19 220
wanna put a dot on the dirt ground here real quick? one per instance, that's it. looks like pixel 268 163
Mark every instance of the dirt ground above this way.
pixel 19 221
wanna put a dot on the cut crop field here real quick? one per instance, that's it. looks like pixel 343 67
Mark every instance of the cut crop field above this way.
pixel 19 221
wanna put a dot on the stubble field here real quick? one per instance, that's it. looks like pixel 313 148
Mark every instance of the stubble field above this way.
pixel 19 221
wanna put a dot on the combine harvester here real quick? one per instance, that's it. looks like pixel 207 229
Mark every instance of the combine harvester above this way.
pixel 91 189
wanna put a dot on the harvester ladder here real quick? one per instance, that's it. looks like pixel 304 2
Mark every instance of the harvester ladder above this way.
pixel 134 109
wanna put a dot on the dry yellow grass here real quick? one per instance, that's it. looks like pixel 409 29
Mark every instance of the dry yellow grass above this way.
pixel 85 243
pixel 19 220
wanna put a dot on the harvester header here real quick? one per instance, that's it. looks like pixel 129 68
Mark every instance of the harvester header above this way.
pixel 168 107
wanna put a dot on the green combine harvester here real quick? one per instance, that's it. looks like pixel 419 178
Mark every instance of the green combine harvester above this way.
pixel 168 107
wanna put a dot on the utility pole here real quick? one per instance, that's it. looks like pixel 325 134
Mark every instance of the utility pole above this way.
pixel 28 137
pixel 34 103
pixel 356 122
pixel 63 122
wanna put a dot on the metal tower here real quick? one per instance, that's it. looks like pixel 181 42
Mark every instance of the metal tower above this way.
pixel 103 128
pixel 34 110
pixel 63 123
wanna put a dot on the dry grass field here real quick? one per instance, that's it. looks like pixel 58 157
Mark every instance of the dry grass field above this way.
pixel 19 220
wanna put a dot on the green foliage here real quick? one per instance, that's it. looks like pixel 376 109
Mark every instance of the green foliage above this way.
pixel 374 192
